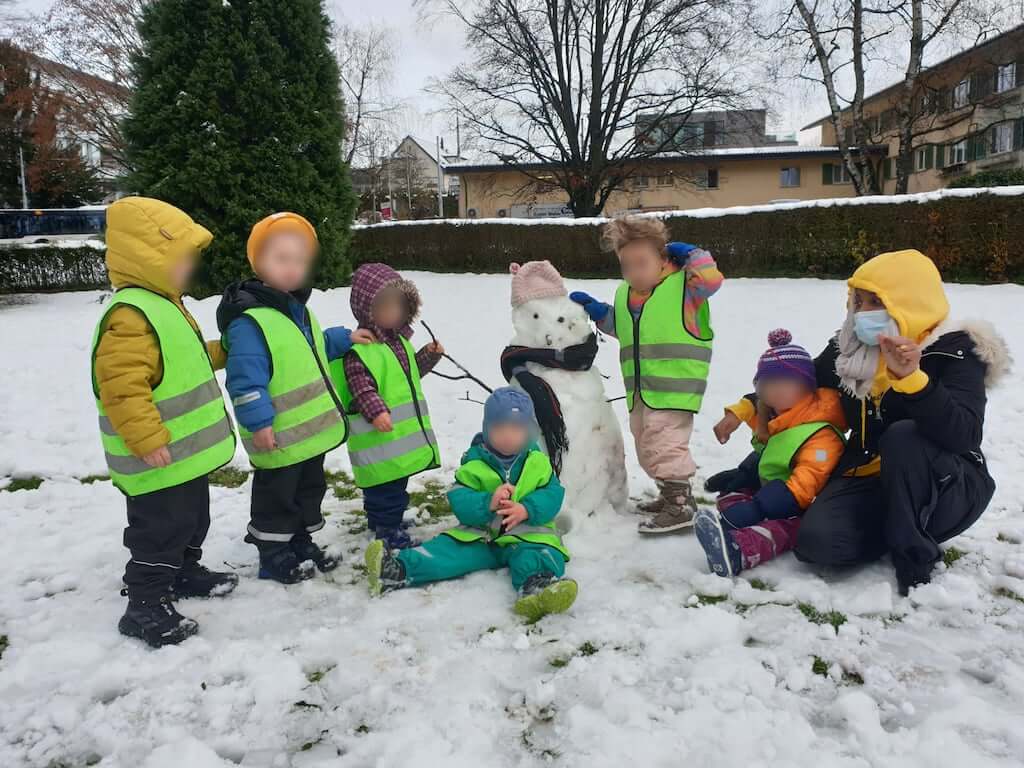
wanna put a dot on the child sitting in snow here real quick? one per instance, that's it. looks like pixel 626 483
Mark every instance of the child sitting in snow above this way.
pixel 161 413
pixel 287 410
pixel 392 437
pixel 506 497
pixel 760 503
pixel 662 320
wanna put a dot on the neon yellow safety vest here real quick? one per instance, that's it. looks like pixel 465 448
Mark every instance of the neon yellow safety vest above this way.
pixel 662 362
pixel 776 462
pixel 188 399
pixel 481 476
pixel 410 447
pixel 308 416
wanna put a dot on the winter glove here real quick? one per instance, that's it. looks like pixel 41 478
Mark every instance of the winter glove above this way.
pixel 773 502
pixel 679 253
pixel 593 307
pixel 743 478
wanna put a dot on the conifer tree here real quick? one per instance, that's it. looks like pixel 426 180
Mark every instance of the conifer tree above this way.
pixel 237 114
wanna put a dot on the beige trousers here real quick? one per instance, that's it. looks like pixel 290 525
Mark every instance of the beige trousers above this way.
pixel 663 442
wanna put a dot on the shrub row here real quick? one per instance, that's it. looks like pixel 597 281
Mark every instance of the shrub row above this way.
pixel 979 238
pixel 1004 178
pixel 49 268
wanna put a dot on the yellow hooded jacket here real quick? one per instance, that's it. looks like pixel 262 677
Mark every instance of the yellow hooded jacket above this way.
pixel 145 238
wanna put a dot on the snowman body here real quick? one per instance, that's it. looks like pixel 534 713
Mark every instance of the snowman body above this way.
pixel 593 465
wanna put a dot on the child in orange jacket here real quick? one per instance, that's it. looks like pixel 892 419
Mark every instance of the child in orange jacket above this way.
pixel 760 503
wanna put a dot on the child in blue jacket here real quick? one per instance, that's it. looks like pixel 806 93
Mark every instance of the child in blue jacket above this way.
pixel 288 488
pixel 506 498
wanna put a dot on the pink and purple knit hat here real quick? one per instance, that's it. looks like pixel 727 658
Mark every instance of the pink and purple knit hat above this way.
pixel 786 360
pixel 535 280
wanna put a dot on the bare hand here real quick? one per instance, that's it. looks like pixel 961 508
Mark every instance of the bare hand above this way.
pixel 502 493
pixel 435 348
pixel 363 336
pixel 726 426
pixel 264 439
pixel 383 422
pixel 161 457
pixel 902 355
pixel 514 514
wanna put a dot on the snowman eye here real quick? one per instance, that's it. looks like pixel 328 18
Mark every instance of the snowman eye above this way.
pixel 561 319
pixel 536 316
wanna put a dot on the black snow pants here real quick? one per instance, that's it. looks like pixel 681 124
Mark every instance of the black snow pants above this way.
pixel 923 496
pixel 166 530
pixel 285 502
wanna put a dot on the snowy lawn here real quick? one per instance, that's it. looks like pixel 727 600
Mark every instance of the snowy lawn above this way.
pixel 658 664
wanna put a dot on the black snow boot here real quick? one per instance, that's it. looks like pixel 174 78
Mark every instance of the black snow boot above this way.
pixel 196 580
pixel 910 574
pixel 156 621
pixel 280 564
pixel 303 546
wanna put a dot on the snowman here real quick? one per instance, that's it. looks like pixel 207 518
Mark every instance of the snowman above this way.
pixel 551 357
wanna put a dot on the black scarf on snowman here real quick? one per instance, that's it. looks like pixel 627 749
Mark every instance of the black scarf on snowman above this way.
pixel 578 357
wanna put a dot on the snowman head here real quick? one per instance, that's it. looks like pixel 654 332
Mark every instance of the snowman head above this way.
pixel 542 313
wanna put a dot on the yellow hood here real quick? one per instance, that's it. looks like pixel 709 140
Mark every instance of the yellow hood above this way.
pixel 145 237
pixel 910 286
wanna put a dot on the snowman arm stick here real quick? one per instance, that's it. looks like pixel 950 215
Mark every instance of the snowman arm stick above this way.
pixel 456 363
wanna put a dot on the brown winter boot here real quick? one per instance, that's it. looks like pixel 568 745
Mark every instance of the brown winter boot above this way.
pixel 677 509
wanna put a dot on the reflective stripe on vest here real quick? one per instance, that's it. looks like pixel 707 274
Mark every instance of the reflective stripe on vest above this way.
pixel 307 419
pixel 776 462
pixel 187 398
pixel 661 361
pixel 480 476
pixel 410 447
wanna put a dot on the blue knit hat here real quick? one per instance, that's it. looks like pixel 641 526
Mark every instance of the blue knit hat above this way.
pixel 785 360
pixel 506 405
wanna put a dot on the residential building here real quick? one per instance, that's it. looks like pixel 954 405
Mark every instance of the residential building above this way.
pixel 710 130
pixel 970 116
pixel 719 177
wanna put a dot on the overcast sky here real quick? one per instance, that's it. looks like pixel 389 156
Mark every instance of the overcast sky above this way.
pixel 429 49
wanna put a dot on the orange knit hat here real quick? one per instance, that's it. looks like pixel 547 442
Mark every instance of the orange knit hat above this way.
pixel 275 223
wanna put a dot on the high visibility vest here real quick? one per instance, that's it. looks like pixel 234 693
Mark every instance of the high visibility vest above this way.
pixel 308 417
pixel 410 447
pixel 777 455
pixel 188 399
pixel 481 476
pixel 662 362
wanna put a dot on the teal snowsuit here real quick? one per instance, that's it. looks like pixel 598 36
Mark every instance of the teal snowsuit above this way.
pixel 444 557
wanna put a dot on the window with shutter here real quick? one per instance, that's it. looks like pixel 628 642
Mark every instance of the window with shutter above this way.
pixel 961 94
pixel 1006 77
pixel 826 173
pixel 1002 137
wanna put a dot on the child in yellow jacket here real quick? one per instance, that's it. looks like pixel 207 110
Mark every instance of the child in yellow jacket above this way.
pixel 798 443
pixel 162 419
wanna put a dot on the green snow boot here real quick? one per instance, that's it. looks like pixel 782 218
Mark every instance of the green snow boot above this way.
pixel 384 571
pixel 543 594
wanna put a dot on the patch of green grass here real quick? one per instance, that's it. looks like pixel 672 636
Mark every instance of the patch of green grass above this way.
pixel 24 484
pixel 362 728
pixel 559 661
pixel 705 500
pixel 587 649
pixel 358 526
pixel 711 599
pixel 835 619
pixel 852 678
pixel 90 479
pixel 318 674
pixel 1006 592
pixel 432 500
pixel 5 643
pixel 819 666
pixel 1007 538
pixel 343 486
pixel 951 555
pixel 228 477
pixel 764 586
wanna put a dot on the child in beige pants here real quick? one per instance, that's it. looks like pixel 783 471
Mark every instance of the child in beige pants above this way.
pixel 662 320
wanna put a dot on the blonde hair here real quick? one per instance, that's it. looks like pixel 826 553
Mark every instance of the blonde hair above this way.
pixel 623 230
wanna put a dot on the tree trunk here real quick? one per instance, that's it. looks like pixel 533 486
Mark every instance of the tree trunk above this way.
pixel 905 107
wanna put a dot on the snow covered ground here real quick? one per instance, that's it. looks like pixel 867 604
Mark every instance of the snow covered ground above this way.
pixel 658 664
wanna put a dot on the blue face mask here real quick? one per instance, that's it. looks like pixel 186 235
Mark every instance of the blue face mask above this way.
pixel 868 325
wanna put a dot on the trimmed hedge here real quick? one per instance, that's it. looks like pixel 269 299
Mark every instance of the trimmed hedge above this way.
pixel 1007 178
pixel 49 268
pixel 977 238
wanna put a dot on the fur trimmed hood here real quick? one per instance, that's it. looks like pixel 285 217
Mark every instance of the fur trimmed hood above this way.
pixel 987 345
pixel 367 282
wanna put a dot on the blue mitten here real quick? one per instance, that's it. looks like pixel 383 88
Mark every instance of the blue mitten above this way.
pixel 593 307
pixel 678 253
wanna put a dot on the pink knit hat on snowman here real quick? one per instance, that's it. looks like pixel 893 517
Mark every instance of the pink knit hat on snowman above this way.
pixel 535 280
